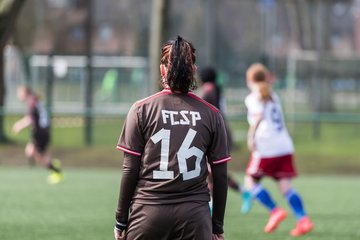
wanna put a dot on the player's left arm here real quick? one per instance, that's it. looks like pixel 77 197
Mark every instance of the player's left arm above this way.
pixel 251 133
pixel 131 168
pixel 21 124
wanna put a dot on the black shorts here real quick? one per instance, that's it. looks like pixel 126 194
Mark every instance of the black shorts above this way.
pixel 186 221
pixel 41 140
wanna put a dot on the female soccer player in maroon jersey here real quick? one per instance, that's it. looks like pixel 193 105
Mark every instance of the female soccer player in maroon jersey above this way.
pixel 210 91
pixel 167 140
pixel 37 117
pixel 271 152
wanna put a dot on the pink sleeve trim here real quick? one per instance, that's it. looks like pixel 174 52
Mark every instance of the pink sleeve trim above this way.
pixel 191 94
pixel 145 100
pixel 222 160
pixel 128 151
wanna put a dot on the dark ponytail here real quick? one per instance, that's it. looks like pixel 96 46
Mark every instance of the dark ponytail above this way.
pixel 179 58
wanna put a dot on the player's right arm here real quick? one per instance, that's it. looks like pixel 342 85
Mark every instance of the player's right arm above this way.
pixel 218 156
pixel 217 237
pixel 219 172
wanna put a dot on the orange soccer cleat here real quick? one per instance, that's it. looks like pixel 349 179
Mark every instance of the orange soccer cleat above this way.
pixel 276 217
pixel 303 226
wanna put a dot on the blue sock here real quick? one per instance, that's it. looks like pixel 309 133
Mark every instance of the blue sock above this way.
pixel 263 196
pixel 295 203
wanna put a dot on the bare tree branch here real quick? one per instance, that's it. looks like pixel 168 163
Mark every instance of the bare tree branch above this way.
pixel 9 11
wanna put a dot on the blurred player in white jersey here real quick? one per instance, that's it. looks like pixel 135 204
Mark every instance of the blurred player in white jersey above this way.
pixel 37 118
pixel 271 153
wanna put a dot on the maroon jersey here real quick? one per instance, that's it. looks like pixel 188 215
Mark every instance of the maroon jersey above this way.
pixel 175 134
pixel 39 116
pixel 211 93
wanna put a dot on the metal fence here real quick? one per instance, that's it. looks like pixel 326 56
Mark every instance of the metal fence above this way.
pixel 311 86
pixel 117 82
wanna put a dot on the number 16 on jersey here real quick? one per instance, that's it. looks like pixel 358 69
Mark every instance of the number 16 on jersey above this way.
pixel 184 153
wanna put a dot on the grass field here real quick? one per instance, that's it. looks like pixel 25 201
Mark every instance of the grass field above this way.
pixel 336 151
pixel 83 206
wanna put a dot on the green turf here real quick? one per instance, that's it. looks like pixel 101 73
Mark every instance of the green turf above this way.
pixel 335 150
pixel 80 208
pixel 83 206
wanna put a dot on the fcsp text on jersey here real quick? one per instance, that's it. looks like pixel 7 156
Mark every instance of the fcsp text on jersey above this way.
pixel 180 117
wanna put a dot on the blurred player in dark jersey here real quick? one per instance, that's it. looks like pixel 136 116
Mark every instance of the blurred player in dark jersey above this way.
pixel 167 140
pixel 37 117
pixel 211 92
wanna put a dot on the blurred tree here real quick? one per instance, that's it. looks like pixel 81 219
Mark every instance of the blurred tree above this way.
pixel 88 26
pixel 9 11
pixel 310 25
pixel 158 28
